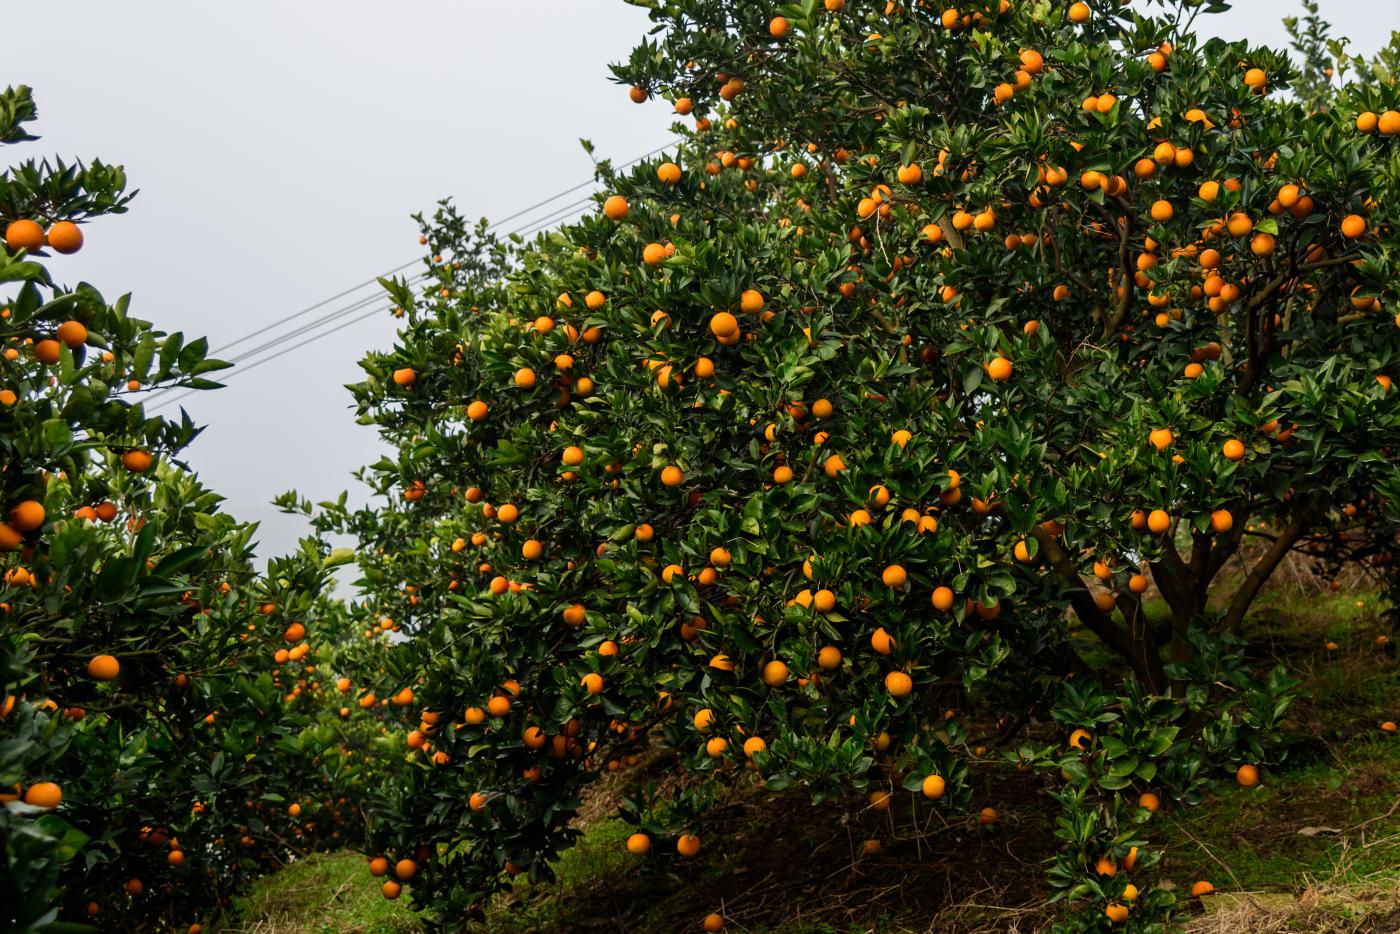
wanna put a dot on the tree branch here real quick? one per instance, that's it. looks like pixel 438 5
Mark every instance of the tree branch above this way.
pixel 1099 622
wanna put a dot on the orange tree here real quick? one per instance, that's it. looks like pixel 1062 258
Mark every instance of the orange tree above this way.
pixel 856 434
pixel 160 715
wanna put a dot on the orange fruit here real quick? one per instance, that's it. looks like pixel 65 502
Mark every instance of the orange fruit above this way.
pixel 1233 449
pixel 1201 888
pixel 672 476
pixel 933 786
pixel 65 237
pixel 639 844
pixel 72 333
pixel 43 795
pixel 898 684
pixel 615 208
pixel 714 922
pixel 1158 521
pixel 103 668
pixel 137 461
pixel 894 576
pixel 775 673
pixel 1353 226
pixel 27 516
pixel 999 369
pixel 1247 775
pixel 687 844
pixel 24 234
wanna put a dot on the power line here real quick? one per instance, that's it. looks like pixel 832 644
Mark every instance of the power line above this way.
pixel 269 359
pixel 402 266
pixel 162 399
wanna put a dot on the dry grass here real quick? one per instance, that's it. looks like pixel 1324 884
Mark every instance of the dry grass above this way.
pixel 1343 904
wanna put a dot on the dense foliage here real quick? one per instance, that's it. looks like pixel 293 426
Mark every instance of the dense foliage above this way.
pixel 162 737
pixel 847 440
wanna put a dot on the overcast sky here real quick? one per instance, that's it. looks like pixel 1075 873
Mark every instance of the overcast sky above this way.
pixel 280 148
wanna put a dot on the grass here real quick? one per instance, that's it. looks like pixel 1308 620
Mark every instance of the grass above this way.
pixel 325 893
pixel 1316 847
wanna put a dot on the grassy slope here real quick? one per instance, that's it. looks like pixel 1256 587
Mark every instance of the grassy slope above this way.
pixel 1321 836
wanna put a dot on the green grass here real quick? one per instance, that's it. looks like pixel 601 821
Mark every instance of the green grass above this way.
pixel 326 893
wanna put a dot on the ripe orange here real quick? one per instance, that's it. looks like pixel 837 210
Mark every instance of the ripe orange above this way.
pixel 829 657
pixel 1150 802
pixel 1079 12
pixel 391 889
pixel 775 673
pixel 24 234
pixel 27 516
pixel 668 173
pixel 592 683
pixel 405 869
pixel 1247 775
pixel 880 800
pixel 47 352
pixel 714 922
pixel 1389 123
pixel 1158 521
pixel 723 324
pixel 881 641
pixel 933 786
pixel 1116 913
pixel 942 598
pixel 65 237
pixel 137 461
pixel 999 369
pixel 687 844
pixel 672 476
pixel 639 844
pixel 898 684
pixel 1201 888
pixel 43 795
pixel 103 668
pixel 1221 521
pixel 405 376
pixel 1161 438
pixel 1353 226
pixel 72 333
pixel 1233 449
pixel 778 27
pixel 894 576
pixel 615 208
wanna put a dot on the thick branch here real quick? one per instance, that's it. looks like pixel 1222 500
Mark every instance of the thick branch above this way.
pixel 1244 596
pixel 1099 622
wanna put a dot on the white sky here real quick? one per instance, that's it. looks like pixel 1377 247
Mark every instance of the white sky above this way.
pixel 280 148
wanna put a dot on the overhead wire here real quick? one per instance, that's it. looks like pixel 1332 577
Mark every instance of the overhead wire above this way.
pixel 161 399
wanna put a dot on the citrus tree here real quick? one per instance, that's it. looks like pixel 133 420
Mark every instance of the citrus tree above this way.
pixel 852 440
pixel 162 728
